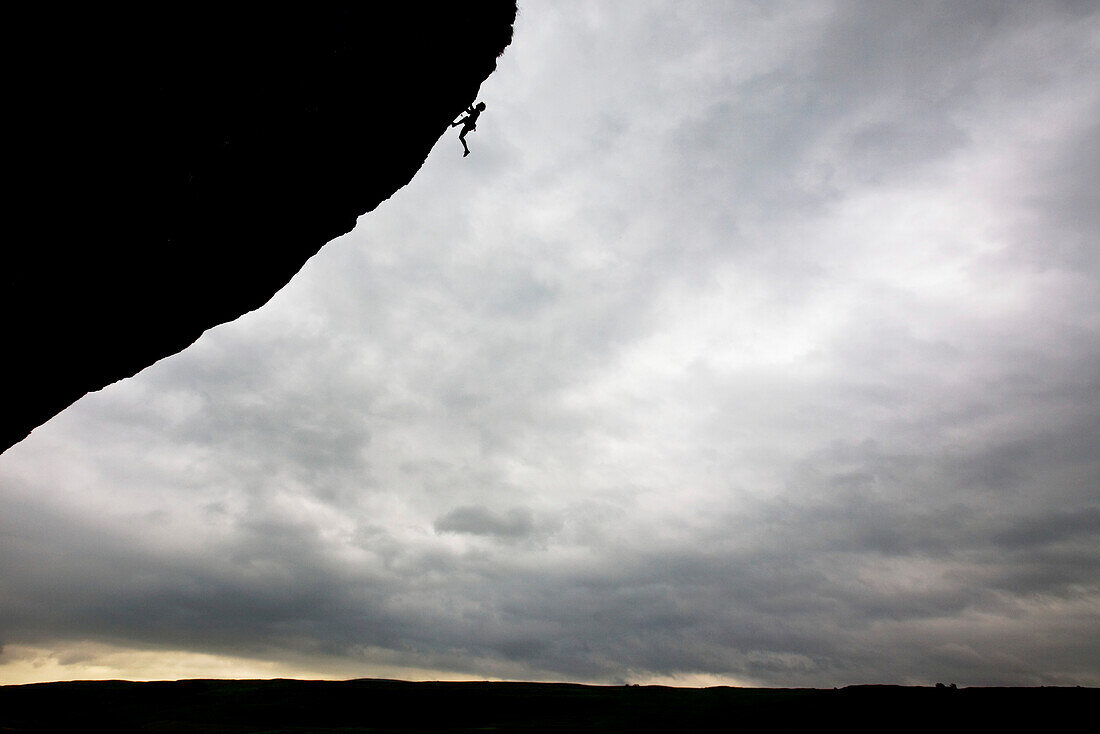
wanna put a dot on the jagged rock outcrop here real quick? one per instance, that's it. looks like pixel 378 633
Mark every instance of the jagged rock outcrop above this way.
pixel 176 166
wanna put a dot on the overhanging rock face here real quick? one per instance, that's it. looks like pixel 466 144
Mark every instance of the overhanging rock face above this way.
pixel 178 166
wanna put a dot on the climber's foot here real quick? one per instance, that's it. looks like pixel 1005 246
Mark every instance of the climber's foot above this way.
pixel 466 154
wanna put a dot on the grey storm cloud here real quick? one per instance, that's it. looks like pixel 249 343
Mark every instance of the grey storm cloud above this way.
pixel 755 342
pixel 515 523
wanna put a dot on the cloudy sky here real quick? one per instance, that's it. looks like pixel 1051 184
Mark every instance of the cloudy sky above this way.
pixel 756 343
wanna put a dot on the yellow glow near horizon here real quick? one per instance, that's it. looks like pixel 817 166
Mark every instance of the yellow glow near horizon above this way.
pixel 67 661
pixel 20 664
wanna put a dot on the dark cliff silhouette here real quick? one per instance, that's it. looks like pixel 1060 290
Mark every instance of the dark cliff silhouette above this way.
pixel 176 166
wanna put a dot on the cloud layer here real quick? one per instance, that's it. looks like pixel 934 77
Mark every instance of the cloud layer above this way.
pixel 753 342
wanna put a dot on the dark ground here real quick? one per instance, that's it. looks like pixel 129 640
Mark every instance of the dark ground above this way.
pixel 394 706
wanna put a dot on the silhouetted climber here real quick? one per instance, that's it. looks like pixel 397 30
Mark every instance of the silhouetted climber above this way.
pixel 469 124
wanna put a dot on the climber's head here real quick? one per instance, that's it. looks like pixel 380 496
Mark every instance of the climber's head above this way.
pixel 481 106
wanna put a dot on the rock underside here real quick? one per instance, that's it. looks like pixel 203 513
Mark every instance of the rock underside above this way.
pixel 175 167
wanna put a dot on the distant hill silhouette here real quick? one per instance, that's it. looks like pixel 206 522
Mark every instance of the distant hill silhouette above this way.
pixel 176 164
pixel 395 706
